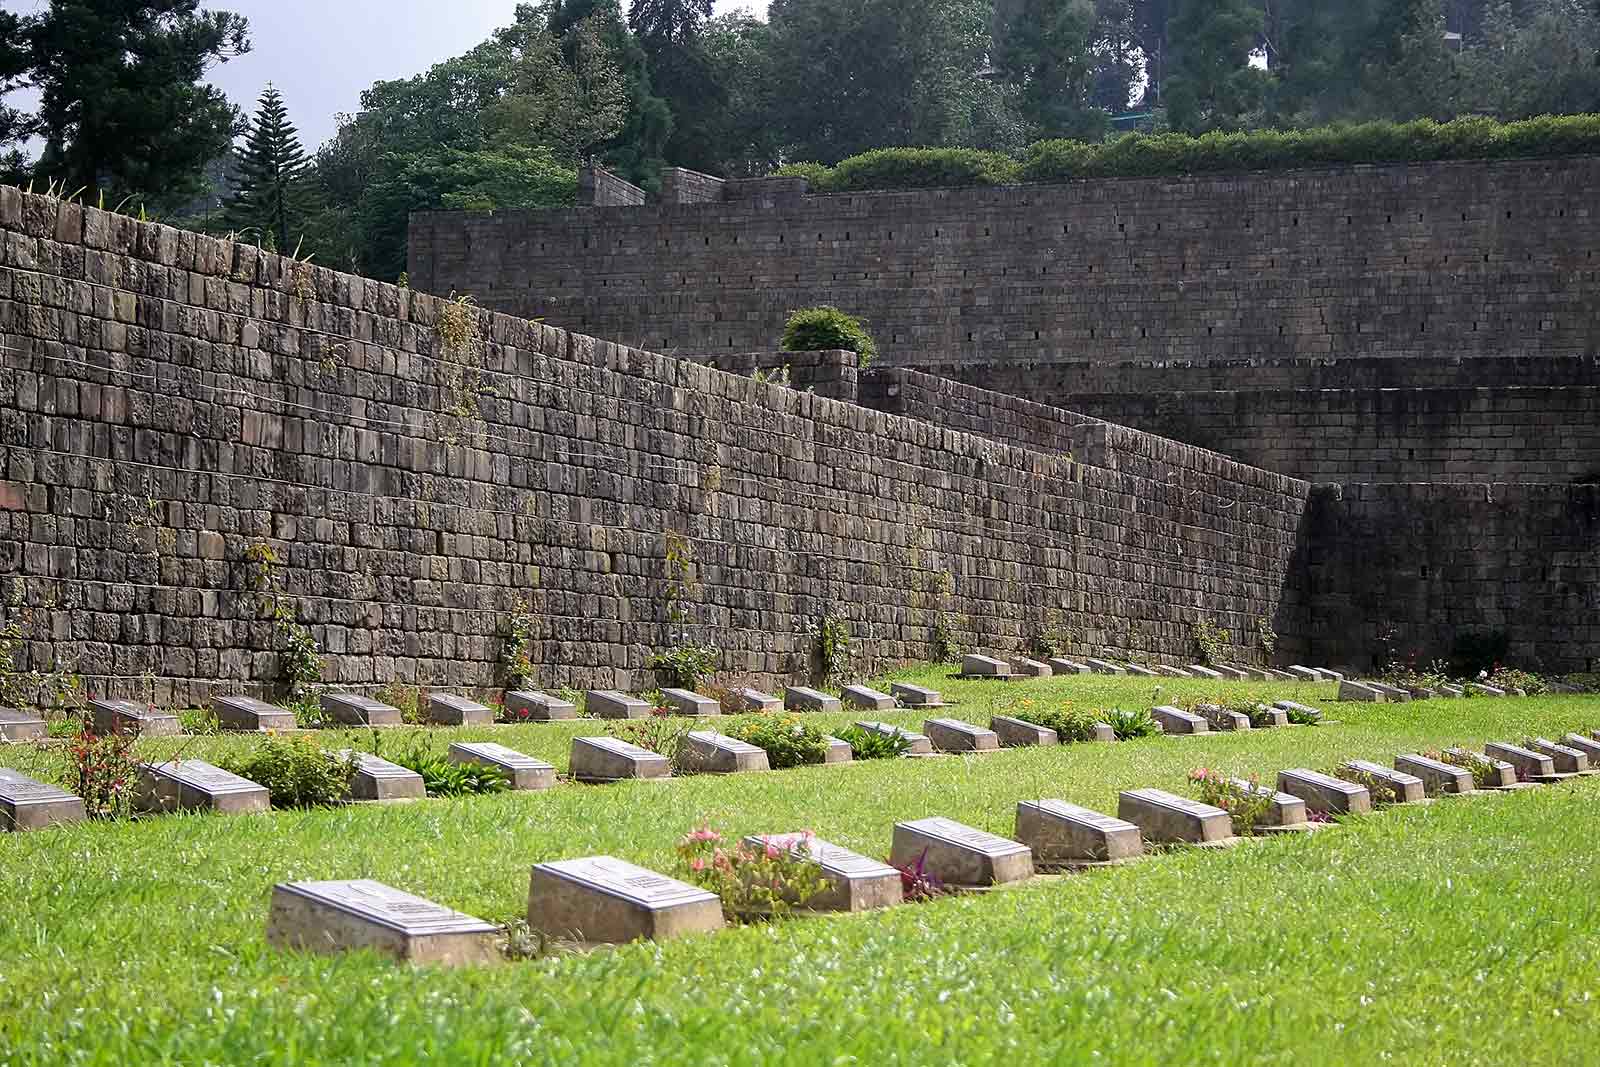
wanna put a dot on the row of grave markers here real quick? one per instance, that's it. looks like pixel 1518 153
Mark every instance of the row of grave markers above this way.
pixel 1352 691
pixel 978 666
pixel 604 900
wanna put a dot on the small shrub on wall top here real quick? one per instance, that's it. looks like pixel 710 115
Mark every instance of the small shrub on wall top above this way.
pixel 822 329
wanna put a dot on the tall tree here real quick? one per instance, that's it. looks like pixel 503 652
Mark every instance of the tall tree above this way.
pixel 672 34
pixel 1210 83
pixel 122 107
pixel 638 151
pixel 273 197
pixel 15 125
pixel 1052 50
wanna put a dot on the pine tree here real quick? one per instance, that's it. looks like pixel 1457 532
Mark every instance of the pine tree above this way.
pixel 273 197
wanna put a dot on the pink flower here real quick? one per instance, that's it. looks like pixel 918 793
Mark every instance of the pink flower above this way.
pixel 705 833
pixel 697 864
pixel 772 850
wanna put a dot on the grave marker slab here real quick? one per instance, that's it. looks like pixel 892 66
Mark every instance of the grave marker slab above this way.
pixel 1065 834
pixel 1392 694
pixel 915 696
pixel 1101 666
pixel 609 759
pixel 352 709
pixel 1031 668
pixel 249 715
pixel 1200 671
pixel 758 701
pixel 1357 692
pixel 1257 674
pixel 525 773
pixel 1452 691
pixel 984 667
pixel 131 717
pixel 1164 818
pixel 1535 766
pixel 1303 709
pixel 21 726
pixel 530 706
pixel 1274 716
pixel 1436 775
pixel 1284 675
pixel 449 709
pixel 610 704
pixel 855 882
pixel 685 702
pixel 1507 773
pixel 1325 793
pixel 709 752
pixel 1067 666
pixel 1587 746
pixel 1485 690
pixel 194 785
pixel 1231 673
pixel 1014 733
pixel 953 735
pixel 378 779
pixel 920 744
pixel 1177 721
pixel 1173 672
pixel 331 917
pixel 960 855
pixel 1567 759
pixel 804 698
pixel 1103 732
pixel 860 696
pixel 1305 673
pixel 602 900
pixel 839 751
pixel 1395 787
pixel 1137 670
pixel 26 804
pixel 1284 811
pixel 1330 675
pixel 1220 718
pixel 1419 692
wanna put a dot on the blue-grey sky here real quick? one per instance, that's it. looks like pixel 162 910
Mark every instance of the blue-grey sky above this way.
pixel 322 53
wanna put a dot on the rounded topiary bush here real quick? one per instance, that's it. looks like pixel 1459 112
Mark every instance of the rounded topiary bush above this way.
pixel 822 329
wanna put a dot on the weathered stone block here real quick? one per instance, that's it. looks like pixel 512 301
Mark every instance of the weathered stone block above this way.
pixel 352 709
pixel 1030 668
pixel 194 785
pixel 1101 666
pixel 609 704
pixel 1392 694
pixel 1172 672
pixel 860 696
pixel 249 715
pixel 920 744
pixel 1177 721
pixel 953 735
pixel 449 709
pixel 529 706
pixel 1199 671
pixel 1535 766
pixel 525 773
pixel 1063 833
pixel 1014 733
pixel 960 855
pixel 855 882
pixel 1437 776
pixel 985 667
pixel 915 696
pixel 1103 732
pixel 684 702
pixel 1568 759
pixel 1324 793
pixel 754 700
pixel 332 917
pixel 1358 692
pixel 1330 675
pixel 26 804
pixel 803 698
pixel 608 759
pixel 1588 746
pixel 1232 673
pixel 378 779
pixel 1067 666
pixel 707 752
pixel 1164 818
pixel 21 726
pixel 839 751
pixel 1394 787
pixel 1305 673
pixel 602 900
pixel 130 717
pixel 1220 718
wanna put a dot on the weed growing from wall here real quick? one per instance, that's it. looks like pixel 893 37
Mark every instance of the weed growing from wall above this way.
pixel 946 648
pixel 1056 636
pixel 833 646
pixel 299 657
pixel 1266 637
pixel 517 656
pixel 1210 641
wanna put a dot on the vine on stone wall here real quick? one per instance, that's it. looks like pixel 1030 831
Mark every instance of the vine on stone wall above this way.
pixel 1055 636
pixel 299 656
pixel 1210 641
pixel 946 647
pixel 833 646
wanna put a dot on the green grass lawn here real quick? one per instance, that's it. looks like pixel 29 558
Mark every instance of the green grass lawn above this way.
pixel 1462 932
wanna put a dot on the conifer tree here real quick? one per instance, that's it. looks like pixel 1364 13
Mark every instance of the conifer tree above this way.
pixel 273 196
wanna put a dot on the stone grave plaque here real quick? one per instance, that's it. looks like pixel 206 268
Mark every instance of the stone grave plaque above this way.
pixel 333 917
pixel 1356 692
pixel 1330 675
pixel 1305 673
pixel 1284 812
pixel 26 804
pixel 1588 746
pixel 1567 759
pixel 1534 766
pixel 194 785
pixel 21 726
pixel 803 698
pixel 1065 834
pixel 839 751
pixel 1103 732
pixel 920 745
pixel 1200 671
pixel 249 715
pixel 1485 690
pixel 855 882
pixel 1436 776
pixel 449 709
pixel 1165 818
pixel 131 717
pixel 609 759
pixel 1067 666
pixel 1220 718
pixel 610 704
pixel 1274 716
pixel 1030 668
pixel 1420 692
pixel 1256 674
pixel 915 696
pixel 1507 774
pixel 985 667
pixel 1177 721
pixel 960 855
pixel 1453 691
pixel 378 779
pixel 1101 666
pixel 1392 694
pixel 684 702
pixel 1284 676
pixel 1325 793
pixel 1173 672
pixel 601 900
pixel 1014 733
pixel 351 709
pixel 708 752
pixel 1139 671
pixel 524 705
pixel 953 735
pixel 1395 787
pixel 1304 709
pixel 860 696
pixel 1231 673
pixel 525 773
pixel 754 700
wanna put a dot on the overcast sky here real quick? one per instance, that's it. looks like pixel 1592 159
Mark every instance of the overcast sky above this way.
pixel 322 53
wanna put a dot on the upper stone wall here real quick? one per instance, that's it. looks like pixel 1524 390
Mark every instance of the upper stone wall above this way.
pixel 1439 260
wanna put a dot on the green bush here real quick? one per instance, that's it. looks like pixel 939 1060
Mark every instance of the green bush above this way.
pixel 684 666
pixel 869 744
pixel 823 329
pixel 788 740
pixel 1130 725
pixel 443 778
pixel 818 174
pixel 296 771
pixel 1070 724
pixel 920 168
